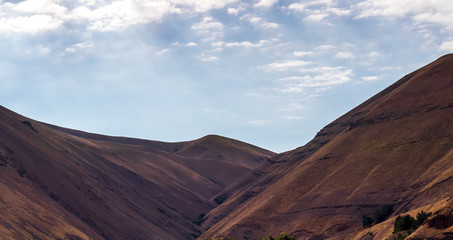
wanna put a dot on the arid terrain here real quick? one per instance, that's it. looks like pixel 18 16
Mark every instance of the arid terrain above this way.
pixel 395 149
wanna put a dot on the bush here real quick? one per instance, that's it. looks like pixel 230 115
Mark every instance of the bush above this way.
pixel 199 219
pixel 383 213
pixel 405 223
pixel 410 224
pixel 367 221
pixel 422 217
pixel 221 198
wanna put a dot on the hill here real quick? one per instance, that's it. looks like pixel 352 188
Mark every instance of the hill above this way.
pixel 67 184
pixel 395 149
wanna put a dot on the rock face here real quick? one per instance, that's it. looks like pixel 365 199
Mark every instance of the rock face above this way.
pixel 67 184
pixel 394 149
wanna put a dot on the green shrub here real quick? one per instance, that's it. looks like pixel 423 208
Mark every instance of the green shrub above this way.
pixel 410 224
pixel 404 223
pixel 422 216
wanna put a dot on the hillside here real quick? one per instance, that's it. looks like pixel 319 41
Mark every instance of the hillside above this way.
pixel 68 184
pixel 394 149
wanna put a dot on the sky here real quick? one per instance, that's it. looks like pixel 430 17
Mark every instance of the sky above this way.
pixel 268 72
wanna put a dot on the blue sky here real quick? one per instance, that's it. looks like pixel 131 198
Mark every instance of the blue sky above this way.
pixel 268 72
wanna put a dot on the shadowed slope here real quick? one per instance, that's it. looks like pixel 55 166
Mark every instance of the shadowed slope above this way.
pixel 105 187
pixel 396 148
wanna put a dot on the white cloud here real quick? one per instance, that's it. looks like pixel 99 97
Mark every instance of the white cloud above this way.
pixel 424 14
pixel 298 84
pixel 299 7
pixel 370 78
pixel 244 44
pixel 201 5
pixel 162 52
pixel 374 54
pixel 207 58
pixel 29 24
pixel 285 66
pixel 389 8
pixel 32 16
pixel 191 44
pixel 83 45
pixel 446 46
pixel 208 23
pixel 233 11
pixel 75 47
pixel 258 21
pixel 118 15
pixel 316 17
pixel 302 53
pixel 69 50
pixel 211 28
pixel 323 48
pixel 318 10
pixel 344 55
pixel 266 3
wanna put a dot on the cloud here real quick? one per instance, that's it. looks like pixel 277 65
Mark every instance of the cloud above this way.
pixel 344 55
pixel 424 14
pixel 374 54
pixel 266 3
pixel 78 46
pixel 33 16
pixel 370 78
pixel 210 27
pixel 316 77
pixel 302 53
pixel 388 8
pixel 244 44
pixel 258 21
pixel 30 24
pixel 233 11
pixel 162 52
pixel 207 58
pixel 207 24
pixel 323 48
pixel 284 66
pixel 446 46
pixel 318 10
pixel 299 7
pixel 298 84
pixel 191 44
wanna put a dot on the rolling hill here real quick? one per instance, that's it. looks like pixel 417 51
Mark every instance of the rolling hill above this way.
pixel 62 183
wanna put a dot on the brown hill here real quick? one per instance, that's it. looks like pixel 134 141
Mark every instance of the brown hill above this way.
pixel 394 149
pixel 59 183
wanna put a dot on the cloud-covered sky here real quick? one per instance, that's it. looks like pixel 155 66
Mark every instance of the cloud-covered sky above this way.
pixel 268 72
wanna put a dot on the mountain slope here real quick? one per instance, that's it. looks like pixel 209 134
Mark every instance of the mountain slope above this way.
pixel 70 184
pixel 396 148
